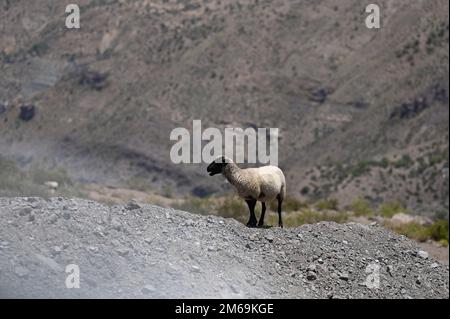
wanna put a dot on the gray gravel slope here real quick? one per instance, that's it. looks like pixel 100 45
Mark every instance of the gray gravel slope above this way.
pixel 145 251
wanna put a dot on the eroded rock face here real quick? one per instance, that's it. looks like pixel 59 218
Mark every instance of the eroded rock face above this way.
pixel 3 108
pixel 163 253
pixel 27 112
pixel 437 94
pixel 94 80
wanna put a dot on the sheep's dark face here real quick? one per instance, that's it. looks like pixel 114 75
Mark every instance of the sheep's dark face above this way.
pixel 217 166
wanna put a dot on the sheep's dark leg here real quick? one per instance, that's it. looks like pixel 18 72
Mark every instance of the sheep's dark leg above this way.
pixel 280 202
pixel 263 212
pixel 251 206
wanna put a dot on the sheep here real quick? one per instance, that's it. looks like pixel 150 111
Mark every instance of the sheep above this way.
pixel 262 184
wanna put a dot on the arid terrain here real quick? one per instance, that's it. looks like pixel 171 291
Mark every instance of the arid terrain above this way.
pixel 86 177
pixel 363 113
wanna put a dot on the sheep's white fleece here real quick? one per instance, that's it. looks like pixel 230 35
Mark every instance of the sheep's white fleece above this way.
pixel 263 183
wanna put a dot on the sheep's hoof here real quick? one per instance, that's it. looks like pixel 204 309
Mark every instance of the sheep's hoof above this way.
pixel 251 224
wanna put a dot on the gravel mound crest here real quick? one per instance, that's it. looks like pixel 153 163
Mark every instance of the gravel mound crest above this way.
pixel 145 251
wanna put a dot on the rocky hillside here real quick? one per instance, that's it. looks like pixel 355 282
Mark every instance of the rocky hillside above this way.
pixel 144 251
pixel 362 113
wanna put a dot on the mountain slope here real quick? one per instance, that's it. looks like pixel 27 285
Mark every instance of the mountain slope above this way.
pixel 345 98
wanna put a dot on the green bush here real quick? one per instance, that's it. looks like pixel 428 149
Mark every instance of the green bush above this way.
pixel 167 191
pixel 41 175
pixel 39 48
pixel 384 163
pixel 196 205
pixel 7 167
pixel 233 207
pixel 328 204
pixel 439 230
pixel 438 158
pixel 228 207
pixel 441 215
pixel 139 183
pixel 15 182
pixel 305 190
pixel 443 243
pixel 412 230
pixel 391 208
pixel 405 162
pixel 361 168
pixel 360 207
pixel 290 204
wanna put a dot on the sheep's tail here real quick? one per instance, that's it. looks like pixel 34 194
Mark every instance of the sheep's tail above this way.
pixel 283 191
pixel 283 186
